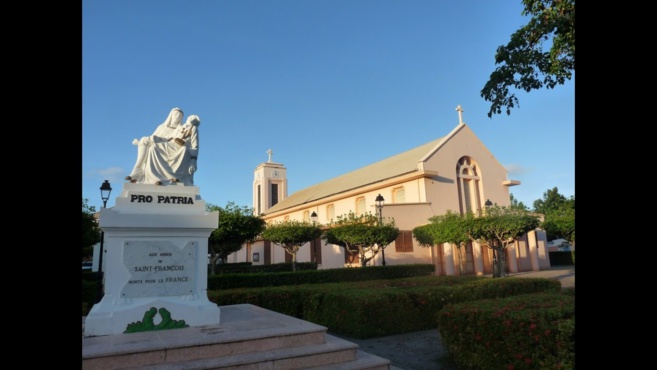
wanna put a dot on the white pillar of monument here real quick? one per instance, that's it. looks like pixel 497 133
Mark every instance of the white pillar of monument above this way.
pixel 156 255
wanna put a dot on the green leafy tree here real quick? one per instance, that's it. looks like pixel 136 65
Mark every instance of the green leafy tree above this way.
pixel 90 229
pixel 447 228
pixel 553 202
pixel 237 225
pixel 559 213
pixel 424 235
pixel 498 228
pixel 540 54
pixel 560 224
pixel 517 204
pixel 363 235
pixel 292 235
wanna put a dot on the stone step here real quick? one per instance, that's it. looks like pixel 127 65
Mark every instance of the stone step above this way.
pixel 332 352
pixel 248 337
pixel 363 361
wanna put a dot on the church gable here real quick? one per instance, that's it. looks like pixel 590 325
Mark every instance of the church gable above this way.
pixel 461 142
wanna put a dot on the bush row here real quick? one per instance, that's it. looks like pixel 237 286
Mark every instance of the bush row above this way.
pixel 247 267
pixel 245 275
pixel 232 280
pixel 528 331
pixel 369 309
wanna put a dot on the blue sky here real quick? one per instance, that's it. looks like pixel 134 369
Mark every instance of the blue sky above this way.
pixel 329 86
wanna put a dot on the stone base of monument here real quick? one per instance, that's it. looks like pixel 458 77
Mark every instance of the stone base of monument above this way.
pixel 248 337
pixel 155 261
pixel 104 319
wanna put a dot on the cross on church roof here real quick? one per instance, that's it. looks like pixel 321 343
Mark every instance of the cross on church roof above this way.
pixel 269 151
pixel 460 110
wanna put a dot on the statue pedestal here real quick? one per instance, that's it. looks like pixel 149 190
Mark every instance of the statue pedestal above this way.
pixel 155 256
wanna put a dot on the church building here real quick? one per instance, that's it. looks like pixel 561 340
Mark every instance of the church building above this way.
pixel 454 172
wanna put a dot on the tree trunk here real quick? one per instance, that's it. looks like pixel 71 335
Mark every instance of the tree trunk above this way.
pixel 460 254
pixel 503 264
pixel 499 263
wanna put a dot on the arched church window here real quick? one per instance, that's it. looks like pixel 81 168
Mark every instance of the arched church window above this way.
pixel 360 206
pixel 469 185
pixel 398 195
pixel 330 212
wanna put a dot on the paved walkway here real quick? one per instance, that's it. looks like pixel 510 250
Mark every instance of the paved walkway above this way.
pixel 565 274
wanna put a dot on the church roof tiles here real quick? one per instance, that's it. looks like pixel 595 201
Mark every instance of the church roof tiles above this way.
pixel 390 167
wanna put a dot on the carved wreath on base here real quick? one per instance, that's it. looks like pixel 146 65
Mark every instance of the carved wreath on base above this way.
pixel 147 323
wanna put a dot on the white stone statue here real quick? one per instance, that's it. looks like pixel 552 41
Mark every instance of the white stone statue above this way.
pixel 170 154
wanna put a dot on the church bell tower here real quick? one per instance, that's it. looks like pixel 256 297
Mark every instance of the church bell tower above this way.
pixel 269 185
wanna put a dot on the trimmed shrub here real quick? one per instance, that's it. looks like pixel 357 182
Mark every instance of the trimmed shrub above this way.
pixel 528 331
pixel 358 309
pixel 261 279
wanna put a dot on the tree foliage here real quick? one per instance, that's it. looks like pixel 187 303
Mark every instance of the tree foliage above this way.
pixel 530 61
pixel 90 229
pixel 237 225
pixel 498 228
pixel 447 228
pixel 292 235
pixel 560 225
pixel 559 214
pixel 553 202
pixel 363 235
pixel 515 203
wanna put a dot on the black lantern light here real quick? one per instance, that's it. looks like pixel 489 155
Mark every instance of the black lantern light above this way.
pixel 379 205
pixel 105 190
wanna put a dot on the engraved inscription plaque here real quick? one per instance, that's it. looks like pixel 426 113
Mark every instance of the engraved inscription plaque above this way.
pixel 158 268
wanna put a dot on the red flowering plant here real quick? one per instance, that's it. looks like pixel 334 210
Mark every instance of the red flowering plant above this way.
pixel 526 331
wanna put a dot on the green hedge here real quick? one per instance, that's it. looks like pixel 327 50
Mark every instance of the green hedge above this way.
pixel 89 275
pixel 248 267
pixel 357 309
pixel 89 292
pixel 527 331
pixel 261 279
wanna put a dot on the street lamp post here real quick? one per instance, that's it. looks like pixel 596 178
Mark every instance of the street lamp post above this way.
pixel 489 204
pixel 314 217
pixel 379 205
pixel 105 190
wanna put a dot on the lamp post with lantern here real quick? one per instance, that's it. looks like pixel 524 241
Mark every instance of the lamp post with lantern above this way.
pixel 489 204
pixel 379 205
pixel 313 218
pixel 105 190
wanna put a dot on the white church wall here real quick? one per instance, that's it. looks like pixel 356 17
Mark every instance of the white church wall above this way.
pixel 332 256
